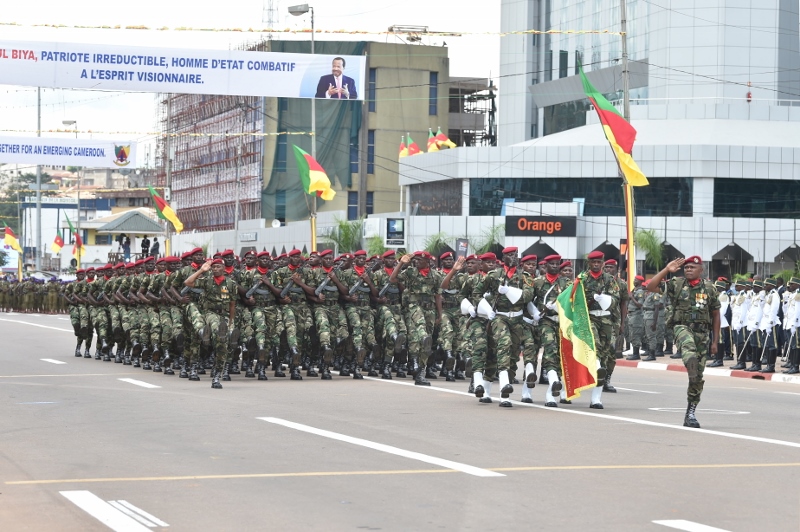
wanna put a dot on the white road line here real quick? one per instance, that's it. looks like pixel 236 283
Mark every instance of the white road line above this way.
pixel 632 390
pixel 139 383
pixel 124 510
pixel 688 526
pixel 103 512
pixel 652 365
pixel 449 464
pixel 37 325
pixel 607 416
pixel 52 361
pixel 789 393
pixel 141 512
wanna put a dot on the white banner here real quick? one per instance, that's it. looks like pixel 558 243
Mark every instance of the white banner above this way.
pixel 142 69
pixel 68 152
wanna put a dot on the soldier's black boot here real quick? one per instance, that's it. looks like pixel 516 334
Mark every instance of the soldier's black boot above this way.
pixel 448 368
pixel 249 373
pixel 419 378
pixel 295 373
pixel 542 377
pixel 357 372
pixel 387 371
pixel 635 355
pixel 98 349
pixel 649 355
pixel 157 358
pixel 262 375
pixel 471 388
pixel 430 371
pixel 690 420
pixel 374 366
pixel 460 366
pixel 668 350
pixel 226 372
pixel 146 357
pixel 78 348
pixel 325 371
pixel 184 374
pixel 215 379
pixel 772 356
pixel 311 372
pixel 794 355
pixel 118 353
pixel 740 364
pixel 607 386
pixel 233 367
pixel 167 363
pixel 756 365
pixel 277 366
pixel 402 371
pixel 193 376
pixel 87 349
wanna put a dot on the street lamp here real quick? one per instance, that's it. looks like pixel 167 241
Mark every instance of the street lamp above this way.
pixel 78 218
pixel 297 11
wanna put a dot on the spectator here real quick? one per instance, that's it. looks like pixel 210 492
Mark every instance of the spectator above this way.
pixel 154 249
pixel 145 246
pixel 126 249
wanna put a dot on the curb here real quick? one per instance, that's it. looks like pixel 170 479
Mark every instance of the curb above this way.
pixel 716 372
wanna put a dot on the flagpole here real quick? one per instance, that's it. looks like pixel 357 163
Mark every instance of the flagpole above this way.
pixel 626 114
pixel 313 147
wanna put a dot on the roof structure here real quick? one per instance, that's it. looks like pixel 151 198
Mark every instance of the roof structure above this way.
pixel 132 222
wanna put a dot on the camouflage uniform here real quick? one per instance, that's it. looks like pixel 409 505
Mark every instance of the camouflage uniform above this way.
pixel 420 312
pixel 651 302
pixel 296 315
pixel 266 315
pixel 634 329
pixel 216 313
pixel 602 321
pixel 452 320
pixel 691 320
pixel 616 313
pixel 545 294
pixel 51 297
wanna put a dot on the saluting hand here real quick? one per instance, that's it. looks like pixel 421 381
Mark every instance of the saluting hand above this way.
pixel 675 265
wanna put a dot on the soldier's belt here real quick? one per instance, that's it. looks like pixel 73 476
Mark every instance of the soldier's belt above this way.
pixel 600 313
pixel 513 314
pixel 359 304
pixel 332 302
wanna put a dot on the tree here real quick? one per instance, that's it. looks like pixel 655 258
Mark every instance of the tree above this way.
pixel 3 258
pixel 346 235
pixel 648 241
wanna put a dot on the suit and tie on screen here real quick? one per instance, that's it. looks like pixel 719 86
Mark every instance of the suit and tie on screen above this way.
pixel 336 85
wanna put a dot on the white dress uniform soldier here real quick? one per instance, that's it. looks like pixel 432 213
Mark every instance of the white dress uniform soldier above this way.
pixel 770 324
pixel 791 321
pixel 755 340
pixel 740 305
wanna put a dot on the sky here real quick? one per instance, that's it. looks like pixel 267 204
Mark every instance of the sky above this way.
pixel 470 55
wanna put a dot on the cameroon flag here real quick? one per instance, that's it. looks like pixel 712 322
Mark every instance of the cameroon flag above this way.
pixel 432 145
pixel 315 180
pixel 444 140
pixel 164 211
pixel 11 239
pixel 619 133
pixel 413 148
pixel 403 149
pixel 578 355
pixel 57 244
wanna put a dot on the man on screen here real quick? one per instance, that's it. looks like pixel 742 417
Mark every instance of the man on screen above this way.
pixel 336 85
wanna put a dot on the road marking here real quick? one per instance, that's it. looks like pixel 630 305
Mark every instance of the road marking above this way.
pixel 37 325
pixel 632 390
pixel 608 416
pixel 60 375
pixel 703 410
pixel 652 365
pixel 139 383
pixel 449 464
pixel 103 512
pixel 39 403
pixel 128 512
pixel 300 474
pixel 689 526
pixel 789 393
pixel 142 513
pixel 65 319
pixel 52 361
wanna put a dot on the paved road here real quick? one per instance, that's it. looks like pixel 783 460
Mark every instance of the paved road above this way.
pixel 79 447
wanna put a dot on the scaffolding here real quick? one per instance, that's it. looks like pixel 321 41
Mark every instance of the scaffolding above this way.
pixel 209 137
pixel 472 112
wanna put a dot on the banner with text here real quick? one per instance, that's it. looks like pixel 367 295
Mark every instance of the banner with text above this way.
pixel 143 69
pixel 68 152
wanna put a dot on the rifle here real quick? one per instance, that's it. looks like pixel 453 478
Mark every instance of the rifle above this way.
pixel 253 288
pixel 383 291
pixel 186 289
pixel 290 284
pixel 361 281
pixel 318 290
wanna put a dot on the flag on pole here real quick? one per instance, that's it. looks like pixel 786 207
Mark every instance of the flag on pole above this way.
pixel 403 149
pixel 578 355
pixel 413 148
pixel 313 176
pixel 432 145
pixel 164 211
pixel 444 140
pixel 619 133
pixel 78 247
pixel 11 239
pixel 57 244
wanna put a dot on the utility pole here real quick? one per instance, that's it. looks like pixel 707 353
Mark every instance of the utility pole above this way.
pixel 242 108
pixel 168 168
pixel 38 260
pixel 630 219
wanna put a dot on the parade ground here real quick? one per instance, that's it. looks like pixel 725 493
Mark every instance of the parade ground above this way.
pixel 89 445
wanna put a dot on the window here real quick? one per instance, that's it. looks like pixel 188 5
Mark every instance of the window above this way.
pixel 756 198
pixel 352 204
pixel 370 202
pixel 283 104
pixel 102 240
pixel 563 64
pixel 548 65
pixel 578 61
pixel 280 205
pixel 353 159
pixel 433 94
pixel 280 154
pixel 670 196
pixel 371 90
pixel 371 151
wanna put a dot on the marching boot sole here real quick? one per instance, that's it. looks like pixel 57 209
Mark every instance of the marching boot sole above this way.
pixel 557 387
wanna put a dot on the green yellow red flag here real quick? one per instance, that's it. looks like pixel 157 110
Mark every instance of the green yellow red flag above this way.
pixel 164 211
pixel 577 346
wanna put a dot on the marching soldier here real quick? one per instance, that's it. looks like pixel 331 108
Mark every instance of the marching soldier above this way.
pixel 451 315
pixel 754 314
pixel 297 317
pixel 695 320
pixel 635 326
pixel 619 312
pixel 740 305
pixel 791 321
pixel 389 322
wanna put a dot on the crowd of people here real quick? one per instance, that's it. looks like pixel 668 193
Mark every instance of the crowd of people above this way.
pixel 414 316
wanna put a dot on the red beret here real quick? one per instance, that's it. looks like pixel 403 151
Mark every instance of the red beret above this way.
pixel 694 259
pixel 565 264
pixel 390 253
pixel 119 265
pixel 294 252
pixel 423 255
pixel 488 256
pixel 217 261
pixel 373 257
pixel 472 257
pixel 552 257
pixel 172 259
pixel 510 249
pixel 130 265
pixel 263 253
pixel 639 277
pixel 611 261
pixel 542 262
pixel 446 254
pixel 595 255
pixel 162 259
pixel 226 253
pixel 90 269
pixel 187 255
pixel 526 258
pixel 359 253
pixel 250 252
pixel 196 250
pixel 281 256
pixel 139 262
pixel 80 271
pixel 326 252
pixel 723 279
pixel 148 259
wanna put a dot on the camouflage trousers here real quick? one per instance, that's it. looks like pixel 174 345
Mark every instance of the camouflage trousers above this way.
pixel 693 346
pixel 634 329
pixel 51 302
pixel 604 337
pixel 99 320
pixel 362 325
pixel 218 325
pixel 478 348
pixel 176 317
pixel 551 358
pixel 244 322
pixel 420 322
pixel 115 322
pixel 128 321
pixel 530 348
pixel 165 322
pixel 508 335
pixel 297 322
pixel 654 336
pixel 450 329
pixel 154 325
pixel 330 318
pixel 75 319
pixel 388 322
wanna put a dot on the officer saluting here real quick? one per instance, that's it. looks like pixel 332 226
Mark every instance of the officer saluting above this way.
pixel 695 315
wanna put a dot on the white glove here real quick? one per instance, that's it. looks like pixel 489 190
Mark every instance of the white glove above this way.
pixel 604 300
pixel 487 295
pixel 551 306
pixel 502 289
pixel 491 315
pixel 472 313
